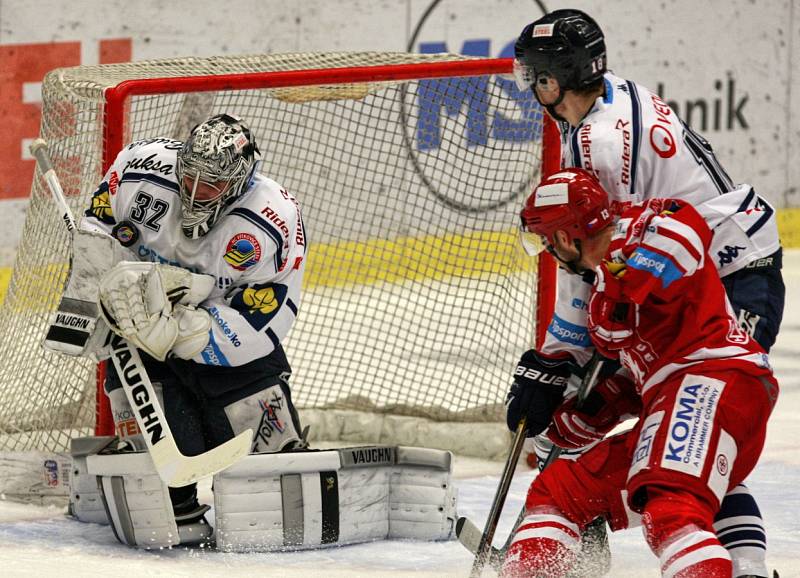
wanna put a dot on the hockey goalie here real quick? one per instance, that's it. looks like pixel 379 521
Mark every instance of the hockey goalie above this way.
pixel 187 270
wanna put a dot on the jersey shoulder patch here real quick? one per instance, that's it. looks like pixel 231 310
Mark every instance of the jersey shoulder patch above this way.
pixel 258 304
pixel 100 207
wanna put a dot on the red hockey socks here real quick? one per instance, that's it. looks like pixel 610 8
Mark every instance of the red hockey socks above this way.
pixel 545 543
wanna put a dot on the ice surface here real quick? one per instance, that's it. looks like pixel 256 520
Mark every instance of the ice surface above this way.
pixel 41 541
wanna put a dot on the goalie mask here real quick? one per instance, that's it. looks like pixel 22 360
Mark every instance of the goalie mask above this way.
pixel 215 167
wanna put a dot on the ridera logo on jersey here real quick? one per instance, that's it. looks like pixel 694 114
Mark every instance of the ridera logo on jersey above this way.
pixel 243 251
pixel 260 303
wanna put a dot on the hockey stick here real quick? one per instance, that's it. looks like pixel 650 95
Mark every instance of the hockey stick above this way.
pixel 174 468
pixel 483 552
pixel 588 381
pixel 468 533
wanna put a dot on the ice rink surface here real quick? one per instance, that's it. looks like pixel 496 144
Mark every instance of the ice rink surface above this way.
pixel 41 541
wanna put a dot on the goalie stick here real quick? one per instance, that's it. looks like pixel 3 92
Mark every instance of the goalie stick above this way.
pixel 467 531
pixel 174 468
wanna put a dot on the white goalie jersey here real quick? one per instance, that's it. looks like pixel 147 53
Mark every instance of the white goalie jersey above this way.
pixel 639 149
pixel 255 251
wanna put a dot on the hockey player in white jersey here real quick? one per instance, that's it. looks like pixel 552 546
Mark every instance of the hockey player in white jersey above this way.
pixel 202 206
pixel 640 149
pixel 199 212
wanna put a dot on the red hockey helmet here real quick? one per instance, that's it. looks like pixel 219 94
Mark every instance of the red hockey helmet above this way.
pixel 570 200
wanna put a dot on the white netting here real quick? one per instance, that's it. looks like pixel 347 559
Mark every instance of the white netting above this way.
pixel 417 301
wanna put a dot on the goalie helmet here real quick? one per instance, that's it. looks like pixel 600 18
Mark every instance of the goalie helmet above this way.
pixel 214 167
pixel 565 44
pixel 571 200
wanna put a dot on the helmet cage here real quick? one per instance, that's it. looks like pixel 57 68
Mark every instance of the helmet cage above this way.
pixel 219 155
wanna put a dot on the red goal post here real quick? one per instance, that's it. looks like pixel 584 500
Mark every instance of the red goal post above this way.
pixel 410 170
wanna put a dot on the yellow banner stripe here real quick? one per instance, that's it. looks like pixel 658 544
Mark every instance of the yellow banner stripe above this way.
pixel 432 257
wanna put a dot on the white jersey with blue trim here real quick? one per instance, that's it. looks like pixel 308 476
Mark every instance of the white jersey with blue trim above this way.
pixel 255 250
pixel 639 149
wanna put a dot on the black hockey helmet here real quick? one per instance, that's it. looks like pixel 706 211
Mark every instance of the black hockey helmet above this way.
pixel 565 44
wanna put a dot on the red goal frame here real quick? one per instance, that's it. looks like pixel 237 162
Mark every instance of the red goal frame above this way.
pixel 118 97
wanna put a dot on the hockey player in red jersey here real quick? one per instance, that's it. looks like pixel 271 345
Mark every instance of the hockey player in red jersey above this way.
pixel 638 148
pixel 700 386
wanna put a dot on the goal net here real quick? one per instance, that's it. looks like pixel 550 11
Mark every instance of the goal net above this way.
pixel 410 171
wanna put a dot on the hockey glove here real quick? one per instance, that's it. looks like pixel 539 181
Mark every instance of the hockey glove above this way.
pixel 137 303
pixel 611 320
pixel 604 407
pixel 538 389
pixel 194 326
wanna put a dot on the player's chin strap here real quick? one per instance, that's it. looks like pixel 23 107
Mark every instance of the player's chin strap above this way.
pixel 551 108
pixel 572 265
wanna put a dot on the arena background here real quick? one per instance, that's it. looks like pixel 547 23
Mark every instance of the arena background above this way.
pixel 727 67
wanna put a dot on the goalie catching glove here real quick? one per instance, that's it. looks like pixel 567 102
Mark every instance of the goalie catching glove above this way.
pixel 153 307
pixel 606 405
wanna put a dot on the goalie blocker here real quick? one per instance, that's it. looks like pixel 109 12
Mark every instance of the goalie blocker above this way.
pixel 292 500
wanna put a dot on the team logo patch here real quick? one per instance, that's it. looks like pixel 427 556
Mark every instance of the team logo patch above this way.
pixel 262 300
pixel 126 233
pixel 644 445
pixel 101 206
pixel 243 251
pixel 722 464
pixel 270 424
pixel 51 477
pixel 260 303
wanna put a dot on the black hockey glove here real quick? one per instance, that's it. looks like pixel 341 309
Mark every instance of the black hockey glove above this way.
pixel 538 389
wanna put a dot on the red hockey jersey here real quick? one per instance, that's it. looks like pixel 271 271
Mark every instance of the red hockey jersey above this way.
pixel 678 310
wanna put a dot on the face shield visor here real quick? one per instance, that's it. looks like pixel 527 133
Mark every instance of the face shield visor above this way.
pixel 198 193
pixel 532 243
pixel 545 86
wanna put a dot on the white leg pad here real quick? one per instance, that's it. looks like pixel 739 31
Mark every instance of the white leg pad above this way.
pixel 423 497
pixel 85 499
pixel 136 499
pixel 314 499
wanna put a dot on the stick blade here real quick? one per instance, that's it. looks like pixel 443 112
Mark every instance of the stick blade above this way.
pixel 470 537
pixel 468 534
pixel 178 470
